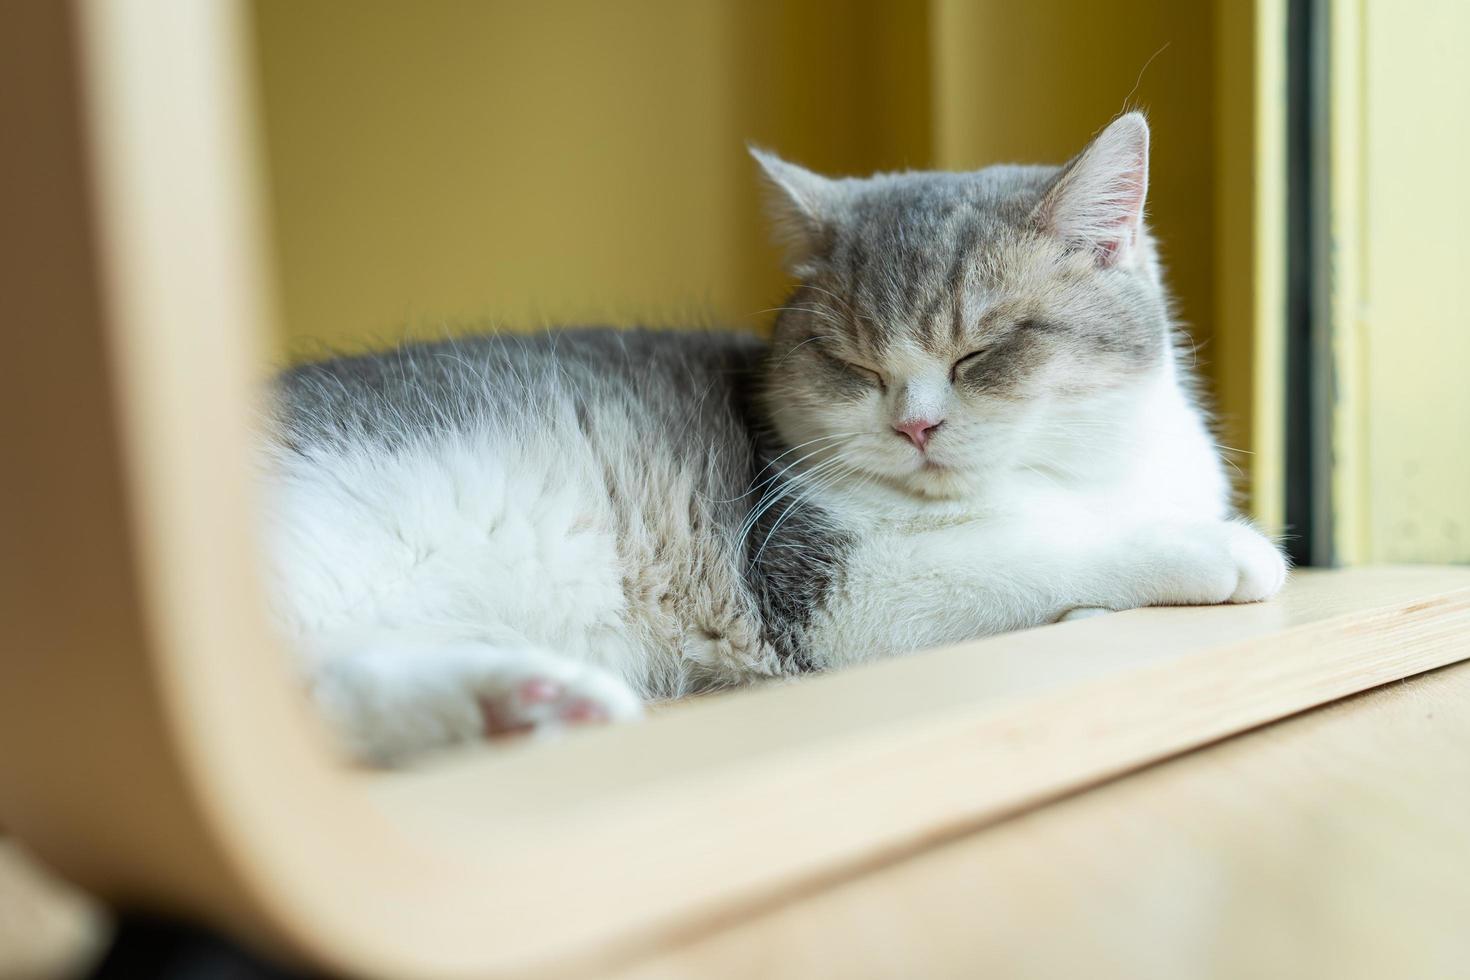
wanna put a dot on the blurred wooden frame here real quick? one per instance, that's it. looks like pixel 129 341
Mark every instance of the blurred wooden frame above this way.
pixel 153 750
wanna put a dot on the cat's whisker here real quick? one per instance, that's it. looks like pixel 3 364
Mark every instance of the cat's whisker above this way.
pixel 795 484
pixel 795 476
pixel 824 320
pixel 827 292
pixel 817 487
pixel 1041 473
pixel 847 305
pixel 811 339
pixel 789 466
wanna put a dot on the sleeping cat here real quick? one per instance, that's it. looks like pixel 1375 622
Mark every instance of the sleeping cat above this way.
pixel 972 417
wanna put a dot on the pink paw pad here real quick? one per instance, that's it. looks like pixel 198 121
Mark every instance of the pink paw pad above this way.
pixel 536 702
pixel 539 690
pixel 584 712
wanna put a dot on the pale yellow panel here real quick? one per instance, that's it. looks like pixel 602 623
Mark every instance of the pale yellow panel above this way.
pixel 1413 328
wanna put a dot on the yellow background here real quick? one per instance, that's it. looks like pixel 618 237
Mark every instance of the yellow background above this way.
pixel 440 166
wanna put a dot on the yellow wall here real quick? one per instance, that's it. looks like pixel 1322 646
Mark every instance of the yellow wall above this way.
pixel 1248 345
pixel 441 164
pixel 525 163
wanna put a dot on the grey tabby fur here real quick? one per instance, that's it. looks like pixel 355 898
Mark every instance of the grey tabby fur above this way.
pixel 672 421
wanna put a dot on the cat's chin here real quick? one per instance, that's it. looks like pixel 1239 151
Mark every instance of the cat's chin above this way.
pixel 934 481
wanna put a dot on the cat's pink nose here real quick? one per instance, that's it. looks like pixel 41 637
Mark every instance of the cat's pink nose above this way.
pixel 918 431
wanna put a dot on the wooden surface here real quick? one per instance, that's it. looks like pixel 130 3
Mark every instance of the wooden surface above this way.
pixel 155 748
pixel 1334 845
pixel 741 801
pixel 1331 845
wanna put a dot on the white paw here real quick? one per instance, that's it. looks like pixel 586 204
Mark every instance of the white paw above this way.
pixel 391 699
pixel 545 695
pixel 1208 564
pixel 1259 565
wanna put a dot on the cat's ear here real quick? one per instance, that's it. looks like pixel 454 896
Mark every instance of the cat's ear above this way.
pixel 1096 202
pixel 802 205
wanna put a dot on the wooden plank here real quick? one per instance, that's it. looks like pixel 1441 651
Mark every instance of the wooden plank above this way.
pixel 79 703
pixel 1330 845
pixel 131 266
pixel 739 800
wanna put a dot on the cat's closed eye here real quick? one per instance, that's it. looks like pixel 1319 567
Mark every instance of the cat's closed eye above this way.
pixel 866 373
pixel 974 357
pixel 979 354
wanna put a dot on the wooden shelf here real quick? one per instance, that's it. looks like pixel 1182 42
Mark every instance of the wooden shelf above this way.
pixel 155 749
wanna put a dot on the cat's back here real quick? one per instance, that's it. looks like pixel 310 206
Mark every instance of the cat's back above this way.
pixel 522 384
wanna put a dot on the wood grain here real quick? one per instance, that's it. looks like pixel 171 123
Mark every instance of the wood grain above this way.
pixel 1330 845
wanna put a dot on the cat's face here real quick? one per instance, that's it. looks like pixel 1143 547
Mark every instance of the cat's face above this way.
pixel 948 325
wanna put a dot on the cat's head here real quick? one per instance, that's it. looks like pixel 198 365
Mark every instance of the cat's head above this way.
pixel 945 325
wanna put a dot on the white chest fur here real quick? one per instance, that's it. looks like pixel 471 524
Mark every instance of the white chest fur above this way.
pixel 1071 522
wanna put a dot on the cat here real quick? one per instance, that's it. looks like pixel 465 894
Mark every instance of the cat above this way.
pixel 972 416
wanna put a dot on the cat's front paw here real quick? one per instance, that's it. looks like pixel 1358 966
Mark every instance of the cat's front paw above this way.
pixel 1259 565
pixel 1209 564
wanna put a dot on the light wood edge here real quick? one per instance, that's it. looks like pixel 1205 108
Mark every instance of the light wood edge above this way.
pixel 142 697
pixel 185 772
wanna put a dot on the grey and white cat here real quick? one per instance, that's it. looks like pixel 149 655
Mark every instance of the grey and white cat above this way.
pixel 971 418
